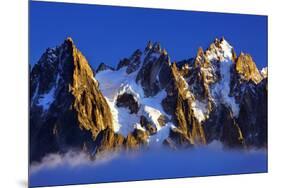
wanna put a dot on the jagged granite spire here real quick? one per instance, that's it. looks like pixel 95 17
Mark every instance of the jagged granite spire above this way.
pixel 67 107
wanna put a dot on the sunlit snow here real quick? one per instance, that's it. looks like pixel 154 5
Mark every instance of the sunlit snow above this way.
pixel 114 83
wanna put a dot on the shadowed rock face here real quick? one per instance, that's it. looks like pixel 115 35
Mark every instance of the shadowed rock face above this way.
pixel 128 101
pixel 103 67
pixel 147 125
pixel 155 72
pixel 132 63
pixel 253 114
pixel 222 126
pixel 67 109
pixel 213 96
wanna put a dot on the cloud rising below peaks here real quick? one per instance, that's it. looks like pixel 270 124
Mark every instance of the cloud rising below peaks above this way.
pixel 77 168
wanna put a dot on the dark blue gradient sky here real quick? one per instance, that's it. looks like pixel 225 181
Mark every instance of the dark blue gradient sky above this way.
pixel 108 34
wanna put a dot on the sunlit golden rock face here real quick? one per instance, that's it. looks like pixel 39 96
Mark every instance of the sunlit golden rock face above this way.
pixel 91 107
pixel 109 141
pixel 246 67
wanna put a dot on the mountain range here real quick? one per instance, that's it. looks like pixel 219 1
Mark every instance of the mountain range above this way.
pixel 146 101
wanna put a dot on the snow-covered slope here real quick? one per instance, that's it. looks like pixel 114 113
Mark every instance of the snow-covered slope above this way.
pixel 114 83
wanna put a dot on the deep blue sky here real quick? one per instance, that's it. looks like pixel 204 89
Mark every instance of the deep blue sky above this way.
pixel 108 34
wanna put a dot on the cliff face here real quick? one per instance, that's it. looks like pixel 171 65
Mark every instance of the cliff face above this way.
pixel 147 101
pixel 247 69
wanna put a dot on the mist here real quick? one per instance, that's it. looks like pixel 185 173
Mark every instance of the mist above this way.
pixel 77 168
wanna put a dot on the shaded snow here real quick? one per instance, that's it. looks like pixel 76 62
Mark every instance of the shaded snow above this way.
pixel 35 94
pixel 46 99
pixel 221 89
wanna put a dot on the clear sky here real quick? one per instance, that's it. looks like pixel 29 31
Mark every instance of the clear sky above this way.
pixel 108 34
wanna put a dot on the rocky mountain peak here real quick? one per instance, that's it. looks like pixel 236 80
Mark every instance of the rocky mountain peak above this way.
pixel 155 70
pixel 103 67
pixel 69 40
pixel 200 57
pixel 67 107
pixel 247 69
pixel 148 46
pixel 156 47
pixel 220 50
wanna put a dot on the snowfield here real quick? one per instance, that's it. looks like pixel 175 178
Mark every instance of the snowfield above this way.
pixel 115 83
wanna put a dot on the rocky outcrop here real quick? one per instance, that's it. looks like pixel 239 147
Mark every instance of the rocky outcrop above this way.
pixel 108 141
pixel 136 140
pixel 122 63
pixel 128 101
pixel 247 69
pixel 147 125
pixel 132 64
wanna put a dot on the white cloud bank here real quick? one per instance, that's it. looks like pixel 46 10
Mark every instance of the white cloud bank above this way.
pixel 75 168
